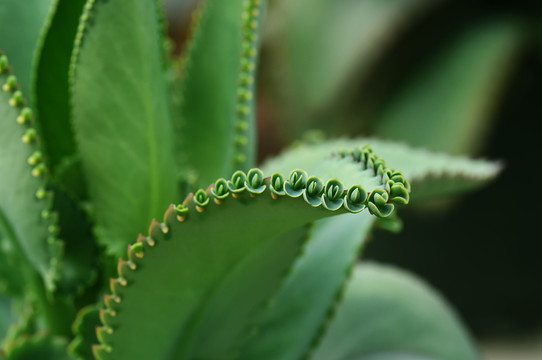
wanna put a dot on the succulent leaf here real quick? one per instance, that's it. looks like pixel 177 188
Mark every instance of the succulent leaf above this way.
pixel 385 309
pixel 121 117
pixel 452 97
pixel 153 260
pixel 38 347
pixel 22 25
pixel 216 110
pixel 24 195
pixel 319 274
pixel 433 174
pixel 51 81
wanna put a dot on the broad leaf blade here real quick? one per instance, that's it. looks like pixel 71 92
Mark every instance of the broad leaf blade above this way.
pixel 446 105
pixel 24 199
pixel 386 310
pixel 121 117
pixel 51 81
pixel 38 347
pixel 21 25
pixel 431 173
pixel 216 134
pixel 306 300
pixel 323 56
pixel 248 243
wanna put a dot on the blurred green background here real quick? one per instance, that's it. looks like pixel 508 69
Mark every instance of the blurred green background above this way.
pixel 463 77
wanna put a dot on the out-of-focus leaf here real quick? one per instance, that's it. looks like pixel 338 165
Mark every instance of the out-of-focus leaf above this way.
pixel 21 25
pixel 389 311
pixel 446 105
pixel 51 82
pixel 40 346
pixel 321 48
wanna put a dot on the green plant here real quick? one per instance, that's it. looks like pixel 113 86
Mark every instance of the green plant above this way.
pixel 253 266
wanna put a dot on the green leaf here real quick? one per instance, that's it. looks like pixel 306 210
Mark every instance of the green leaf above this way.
pixel 80 261
pixel 23 194
pixel 121 117
pixel 11 280
pixel 5 316
pixel 307 299
pixel 216 111
pixel 38 347
pixel 389 311
pixel 446 105
pixel 51 81
pixel 84 328
pixel 21 25
pixel 322 58
pixel 205 309
pixel 431 174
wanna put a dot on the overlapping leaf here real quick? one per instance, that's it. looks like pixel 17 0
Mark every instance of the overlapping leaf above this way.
pixel 215 122
pixel 25 203
pixel 121 117
pixel 262 220
pixel 388 314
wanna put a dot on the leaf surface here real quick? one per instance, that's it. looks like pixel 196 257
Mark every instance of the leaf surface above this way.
pixel 121 117
pixel 323 57
pixel 446 105
pixel 217 94
pixel 248 242
pixel 51 82
pixel 306 300
pixel 25 201
pixel 389 311
pixel 431 173
pixel 21 26
pixel 38 347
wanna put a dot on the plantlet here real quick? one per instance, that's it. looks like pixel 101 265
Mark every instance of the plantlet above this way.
pixel 253 263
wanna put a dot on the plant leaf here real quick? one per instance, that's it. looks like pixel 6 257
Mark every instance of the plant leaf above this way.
pixel 319 275
pixel 38 347
pixel 216 111
pixel 5 317
pixel 121 117
pixel 353 35
pixel 386 310
pixel 249 233
pixel 431 174
pixel 446 105
pixel 51 82
pixel 24 198
pixel 85 329
pixel 21 25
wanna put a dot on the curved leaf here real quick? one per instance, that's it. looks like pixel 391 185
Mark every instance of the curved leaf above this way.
pixel 51 81
pixel 85 329
pixel 121 117
pixel 262 219
pixel 25 201
pixel 307 299
pixel 5 317
pixel 431 174
pixel 351 38
pixel 386 310
pixel 21 25
pixel 216 112
pixel 447 104
pixel 38 347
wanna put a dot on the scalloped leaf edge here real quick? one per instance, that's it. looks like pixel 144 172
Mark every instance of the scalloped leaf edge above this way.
pixel 255 185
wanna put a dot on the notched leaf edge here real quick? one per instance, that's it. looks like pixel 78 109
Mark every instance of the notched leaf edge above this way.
pixel 332 196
